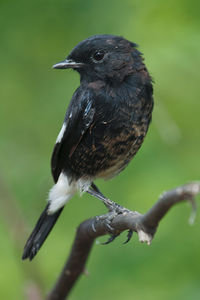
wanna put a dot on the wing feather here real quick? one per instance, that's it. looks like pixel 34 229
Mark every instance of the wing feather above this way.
pixel 78 119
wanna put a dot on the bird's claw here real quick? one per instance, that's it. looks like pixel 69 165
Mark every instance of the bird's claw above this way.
pixel 129 236
pixel 111 239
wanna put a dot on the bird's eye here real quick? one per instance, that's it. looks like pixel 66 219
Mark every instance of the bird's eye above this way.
pixel 98 55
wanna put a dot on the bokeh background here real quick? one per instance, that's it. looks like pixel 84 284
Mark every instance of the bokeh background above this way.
pixel 35 35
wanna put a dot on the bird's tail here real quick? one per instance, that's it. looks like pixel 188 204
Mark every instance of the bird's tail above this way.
pixel 40 233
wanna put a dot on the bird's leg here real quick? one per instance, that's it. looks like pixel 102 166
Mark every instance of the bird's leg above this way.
pixel 114 210
pixel 94 191
pixel 111 205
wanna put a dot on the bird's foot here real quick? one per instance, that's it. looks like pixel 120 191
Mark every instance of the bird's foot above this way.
pixel 114 207
pixel 107 219
pixel 114 210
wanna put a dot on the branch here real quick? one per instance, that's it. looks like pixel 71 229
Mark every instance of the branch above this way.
pixel 145 225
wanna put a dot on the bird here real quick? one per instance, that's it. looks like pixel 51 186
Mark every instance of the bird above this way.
pixel 104 125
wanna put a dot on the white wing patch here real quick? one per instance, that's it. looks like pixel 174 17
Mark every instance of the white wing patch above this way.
pixel 61 133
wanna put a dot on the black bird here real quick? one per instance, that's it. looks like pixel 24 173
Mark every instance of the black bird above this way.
pixel 104 126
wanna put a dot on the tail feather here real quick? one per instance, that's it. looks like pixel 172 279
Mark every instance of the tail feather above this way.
pixel 40 233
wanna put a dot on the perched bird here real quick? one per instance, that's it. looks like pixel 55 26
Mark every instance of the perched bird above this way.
pixel 104 126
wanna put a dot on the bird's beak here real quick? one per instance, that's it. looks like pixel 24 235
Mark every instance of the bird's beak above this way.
pixel 67 64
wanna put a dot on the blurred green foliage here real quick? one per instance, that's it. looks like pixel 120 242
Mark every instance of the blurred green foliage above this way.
pixel 35 35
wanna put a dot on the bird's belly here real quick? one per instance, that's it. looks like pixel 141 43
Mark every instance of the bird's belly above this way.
pixel 105 151
pixel 122 153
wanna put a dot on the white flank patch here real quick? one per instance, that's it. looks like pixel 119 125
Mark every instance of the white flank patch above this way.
pixel 60 193
pixel 83 185
pixel 61 133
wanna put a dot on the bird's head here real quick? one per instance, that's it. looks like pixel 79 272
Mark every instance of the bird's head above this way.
pixel 103 57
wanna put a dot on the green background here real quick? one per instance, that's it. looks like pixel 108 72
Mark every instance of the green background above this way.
pixel 35 35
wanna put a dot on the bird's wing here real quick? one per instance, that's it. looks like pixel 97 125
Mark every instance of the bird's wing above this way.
pixel 78 119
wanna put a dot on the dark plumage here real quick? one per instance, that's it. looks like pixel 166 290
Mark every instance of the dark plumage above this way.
pixel 105 123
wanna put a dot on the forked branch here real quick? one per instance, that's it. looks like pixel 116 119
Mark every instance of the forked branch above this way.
pixel 145 225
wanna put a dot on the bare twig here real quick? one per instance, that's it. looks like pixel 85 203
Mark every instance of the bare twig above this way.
pixel 145 225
